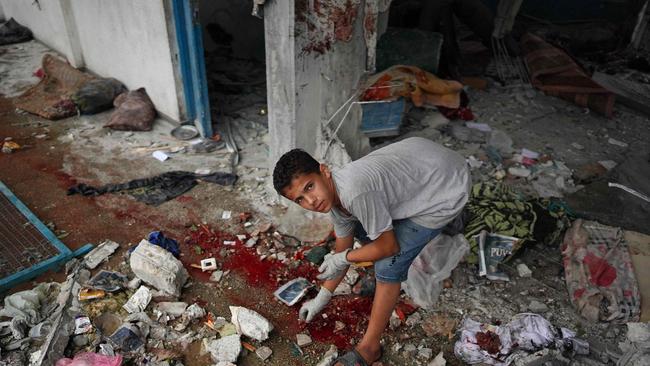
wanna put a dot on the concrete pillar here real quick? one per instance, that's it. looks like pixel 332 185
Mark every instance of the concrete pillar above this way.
pixel 309 77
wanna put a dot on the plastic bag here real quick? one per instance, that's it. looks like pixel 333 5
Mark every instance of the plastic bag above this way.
pixel 135 112
pixel 434 264
pixel 90 359
pixel 97 95
pixel 12 32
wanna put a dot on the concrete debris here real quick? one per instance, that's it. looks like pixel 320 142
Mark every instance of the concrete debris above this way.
pixel 342 289
pixel 139 301
pixel 438 361
pixel 577 146
pixel 435 120
pixel 263 352
pixel 216 276
pixel 338 326
pixel 617 142
pixel 394 322
pixel 330 356
pixel 414 319
pixel 524 271
pixel 173 309
pixel 134 283
pixel 537 307
pixel 225 349
pixel 608 164
pixel 425 353
pixel 194 312
pixel 158 267
pixel 100 253
pixel 250 323
pixel 636 347
pixel 519 172
pixel 501 142
pixel 351 276
pixel 303 339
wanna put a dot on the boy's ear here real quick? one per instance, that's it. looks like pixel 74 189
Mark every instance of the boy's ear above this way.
pixel 325 171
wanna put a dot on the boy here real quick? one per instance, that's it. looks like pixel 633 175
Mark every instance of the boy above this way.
pixel 395 200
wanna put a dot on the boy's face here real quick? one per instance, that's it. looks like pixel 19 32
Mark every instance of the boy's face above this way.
pixel 313 191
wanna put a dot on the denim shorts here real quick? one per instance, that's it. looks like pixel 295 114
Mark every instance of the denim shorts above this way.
pixel 411 238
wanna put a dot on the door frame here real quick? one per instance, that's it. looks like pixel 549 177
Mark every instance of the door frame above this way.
pixel 191 60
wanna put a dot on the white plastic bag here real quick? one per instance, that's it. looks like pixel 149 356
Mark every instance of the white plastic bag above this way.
pixel 434 264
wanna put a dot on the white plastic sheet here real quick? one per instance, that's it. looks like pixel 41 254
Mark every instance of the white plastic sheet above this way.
pixel 434 264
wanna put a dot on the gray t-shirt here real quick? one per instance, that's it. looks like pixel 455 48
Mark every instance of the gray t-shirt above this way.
pixel 414 178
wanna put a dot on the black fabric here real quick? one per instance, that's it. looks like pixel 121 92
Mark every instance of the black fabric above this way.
pixel 158 189
pixel 97 95
pixel 12 32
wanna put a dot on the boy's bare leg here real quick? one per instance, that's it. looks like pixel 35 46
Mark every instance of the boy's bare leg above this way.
pixel 386 295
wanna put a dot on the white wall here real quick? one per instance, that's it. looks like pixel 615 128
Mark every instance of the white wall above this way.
pixel 2 13
pixel 123 39
pixel 45 23
pixel 128 40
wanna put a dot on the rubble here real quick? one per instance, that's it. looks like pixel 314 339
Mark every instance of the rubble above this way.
pixel 524 271
pixel 225 349
pixel 173 309
pixel 303 339
pixel 439 360
pixel 250 323
pixel 330 356
pixel 100 253
pixel 158 267
pixel 537 307
pixel 263 352
pixel 216 276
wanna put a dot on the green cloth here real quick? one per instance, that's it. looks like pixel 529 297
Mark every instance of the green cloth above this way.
pixel 496 208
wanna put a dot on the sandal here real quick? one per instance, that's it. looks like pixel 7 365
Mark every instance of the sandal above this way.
pixel 351 358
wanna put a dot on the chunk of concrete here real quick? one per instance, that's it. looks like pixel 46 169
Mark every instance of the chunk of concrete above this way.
pixel 351 276
pixel 438 361
pixel 303 339
pixel 342 289
pixel 250 323
pixel 100 254
pixel 330 356
pixel 263 352
pixel 537 307
pixel 524 271
pixel 174 309
pixel 158 267
pixel 225 349
pixel 216 276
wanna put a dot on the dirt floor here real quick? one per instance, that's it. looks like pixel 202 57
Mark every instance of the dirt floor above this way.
pixel 56 155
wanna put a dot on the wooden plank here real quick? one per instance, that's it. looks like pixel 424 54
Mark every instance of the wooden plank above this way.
pixel 629 93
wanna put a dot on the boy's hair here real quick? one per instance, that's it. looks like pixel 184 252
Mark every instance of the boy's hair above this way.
pixel 292 164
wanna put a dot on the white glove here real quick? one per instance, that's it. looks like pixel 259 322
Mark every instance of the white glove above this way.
pixel 333 265
pixel 314 306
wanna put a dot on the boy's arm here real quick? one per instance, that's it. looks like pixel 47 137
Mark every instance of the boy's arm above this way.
pixel 340 245
pixel 384 246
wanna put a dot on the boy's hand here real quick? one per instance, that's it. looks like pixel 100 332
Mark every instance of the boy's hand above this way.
pixel 333 265
pixel 314 306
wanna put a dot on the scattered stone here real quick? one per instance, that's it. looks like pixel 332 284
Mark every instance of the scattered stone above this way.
pixel 425 353
pixel 134 283
pixel 194 312
pixel 524 271
pixel 519 172
pixel 537 307
pixel 330 356
pixel 435 120
pixel 338 326
pixel 351 276
pixel 414 319
pixel 608 164
pixel 158 267
pixel 173 309
pixel 225 349
pixel 216 276
pixel 80 340
pixel 250 323
pixel 617 142
pixel 577 146
pixel 342 289
pixel 303 339
pixel 394 321
pixel 264 352
pixel 410 348
pixel 100 253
